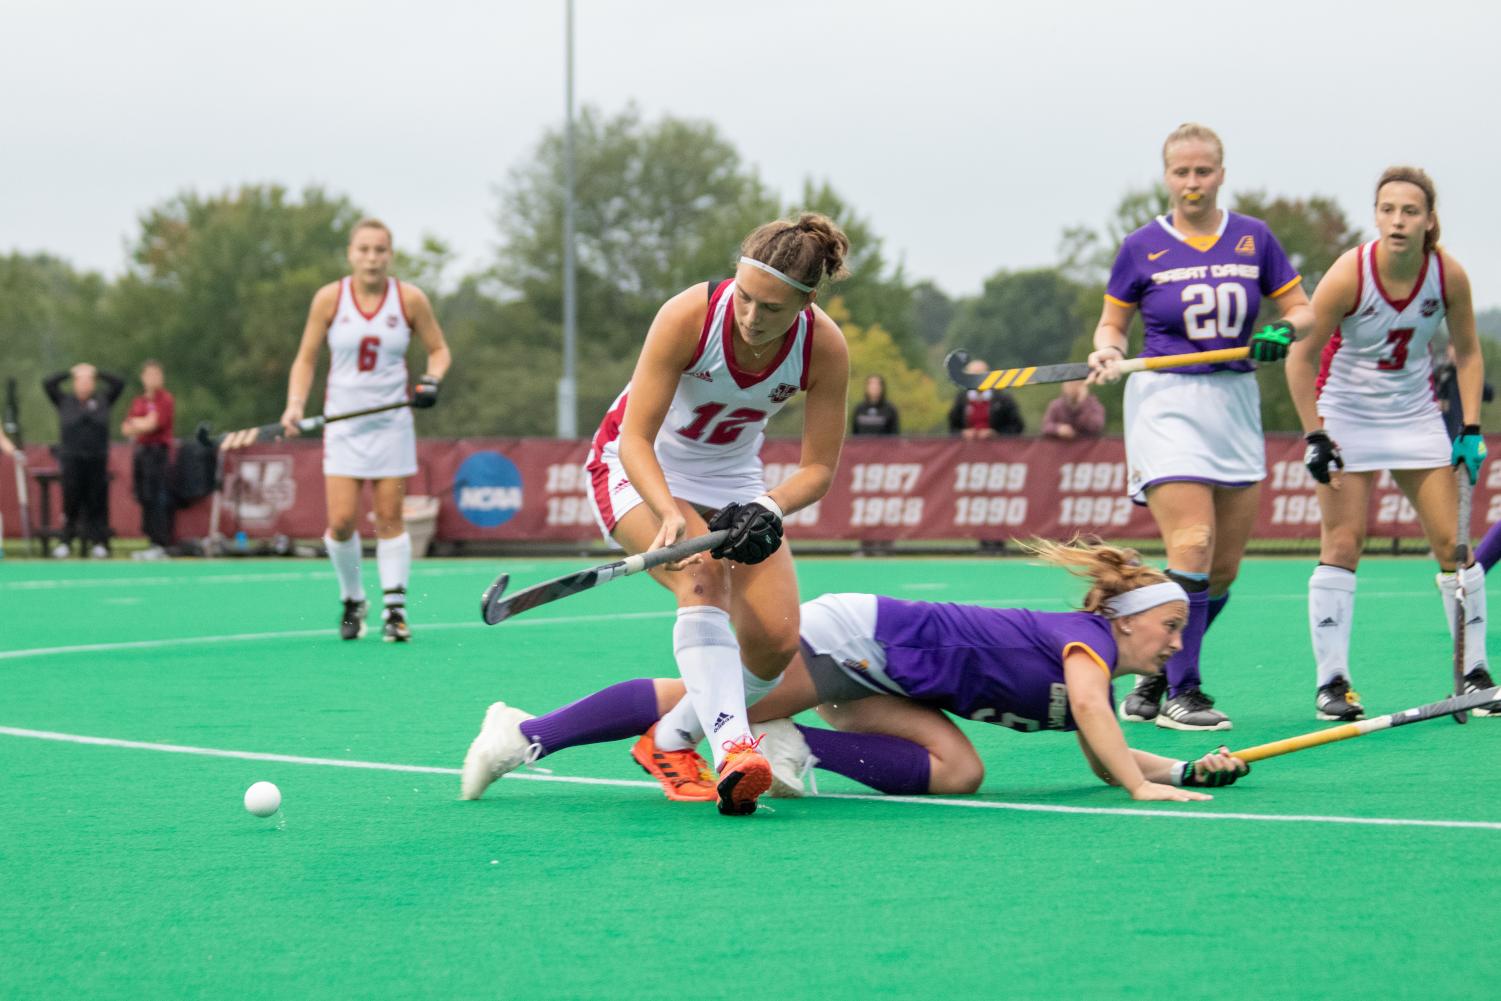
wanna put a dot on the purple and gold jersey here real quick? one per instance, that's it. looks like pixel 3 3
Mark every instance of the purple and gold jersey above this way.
pixel 995 665
pixel 1200 293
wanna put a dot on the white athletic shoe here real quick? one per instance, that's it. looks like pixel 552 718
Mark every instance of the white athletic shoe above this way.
pixel 499 748
pixel 791 761
pixel 98 552
pixel 61 551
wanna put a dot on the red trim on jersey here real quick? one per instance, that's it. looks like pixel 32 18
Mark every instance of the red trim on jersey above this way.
pixel 376 311
pixel 703 335
pixel 1443 288
pixel 1326 361
pixel 1359 278
pixel 599 472
pixel 807 349
pixel 401 300
pixel 743 378
pixel 1376 277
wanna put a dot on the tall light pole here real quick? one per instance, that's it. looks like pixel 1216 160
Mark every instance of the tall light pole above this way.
pixel 568 385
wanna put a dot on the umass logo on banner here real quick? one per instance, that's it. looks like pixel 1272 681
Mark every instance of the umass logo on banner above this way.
pixel 487 489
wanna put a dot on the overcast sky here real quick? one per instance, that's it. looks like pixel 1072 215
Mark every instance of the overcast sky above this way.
pixel 970 134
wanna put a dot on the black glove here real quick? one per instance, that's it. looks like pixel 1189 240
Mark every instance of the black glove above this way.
pixel 755 532
pixel 1321 453
pixel 426 393
pixel 1210 780
pixel 1271 342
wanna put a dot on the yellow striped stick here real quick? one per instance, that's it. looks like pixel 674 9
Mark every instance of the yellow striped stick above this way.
pixel 1447 707
pixel 1037 375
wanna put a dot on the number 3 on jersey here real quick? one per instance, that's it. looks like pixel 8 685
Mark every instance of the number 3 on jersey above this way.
pixel 369 353
pixel 723 432
pixel 1214 310
pixel 1397 360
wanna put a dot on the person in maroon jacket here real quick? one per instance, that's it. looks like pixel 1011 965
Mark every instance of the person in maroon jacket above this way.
pixel 1074 414
pixel 149 424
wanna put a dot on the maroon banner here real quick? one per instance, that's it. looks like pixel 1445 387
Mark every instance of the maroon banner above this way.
pixel 535 489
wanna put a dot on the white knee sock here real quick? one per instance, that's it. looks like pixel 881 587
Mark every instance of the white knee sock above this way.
pixel 345 556
pixel 1474 578
pixel 709 661
pixel 679 728
pixel 1331 605
pixel 394 556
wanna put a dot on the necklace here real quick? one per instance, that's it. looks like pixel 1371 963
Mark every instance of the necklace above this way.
pixel 758 355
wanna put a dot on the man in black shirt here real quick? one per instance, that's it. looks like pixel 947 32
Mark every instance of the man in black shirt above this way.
pixel 83 452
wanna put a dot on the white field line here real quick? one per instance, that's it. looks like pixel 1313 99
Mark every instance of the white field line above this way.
pixel 933 801
pixel 53 651
pixel 487 572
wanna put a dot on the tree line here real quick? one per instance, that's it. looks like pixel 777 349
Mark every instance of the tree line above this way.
pixel 217 287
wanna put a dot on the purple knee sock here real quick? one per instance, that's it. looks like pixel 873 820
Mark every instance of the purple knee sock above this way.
pixel 891 765
pixel 624 710
pixel 1216 606
pixel 1183 668
pixel 1489 550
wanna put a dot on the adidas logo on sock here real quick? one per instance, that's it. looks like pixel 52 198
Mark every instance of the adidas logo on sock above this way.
pixel 1475 621
pixel 721 721
pixel 1327 622
pixel 686 737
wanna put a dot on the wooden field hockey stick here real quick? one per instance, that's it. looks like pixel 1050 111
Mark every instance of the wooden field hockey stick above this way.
pixel 23 495
pixel 1448 707
pixel 493 609
pixel 1461 560
pixel 246 437
pixel 1037 375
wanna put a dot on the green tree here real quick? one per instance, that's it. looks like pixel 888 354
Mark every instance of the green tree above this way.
pixel 1020 318
pixel 660 205
pixel 218 289
pixel 49 320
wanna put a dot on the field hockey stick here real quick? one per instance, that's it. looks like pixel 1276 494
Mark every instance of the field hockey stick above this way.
pixel 1461 560
pixel 23 495
pixel 493 609
pixel 1448 707
pixel 1036 375
pixel 246 437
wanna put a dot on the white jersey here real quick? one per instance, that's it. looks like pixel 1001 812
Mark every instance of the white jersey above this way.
pixel 368 368
pixel 1376 366
pixel 367 352
pixel 709 445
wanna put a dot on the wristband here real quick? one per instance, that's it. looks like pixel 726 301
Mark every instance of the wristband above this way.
pixel 765 501
pixel 1180 772
pixel 1470 429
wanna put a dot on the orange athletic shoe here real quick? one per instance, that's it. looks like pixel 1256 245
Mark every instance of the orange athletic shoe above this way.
pixel 743 778
pixel 685 776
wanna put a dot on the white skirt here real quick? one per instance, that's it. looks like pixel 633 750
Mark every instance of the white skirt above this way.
pixel 1195 428
pixel 371 448
pixel 611 493
pixel 1371 444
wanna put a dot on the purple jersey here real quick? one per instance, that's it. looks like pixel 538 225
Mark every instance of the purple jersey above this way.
pixel 1200 293
pixel 996 665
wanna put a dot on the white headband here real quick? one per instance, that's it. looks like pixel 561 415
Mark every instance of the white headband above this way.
pixel 776 274
pixel 1143 598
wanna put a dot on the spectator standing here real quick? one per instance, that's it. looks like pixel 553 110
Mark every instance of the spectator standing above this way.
pixel 1074 414
pixel 83 453
pixel 977 414
pixel 875 414
pixel 149 425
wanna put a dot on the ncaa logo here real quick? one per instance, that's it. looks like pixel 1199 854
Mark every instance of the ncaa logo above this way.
pixel 487 489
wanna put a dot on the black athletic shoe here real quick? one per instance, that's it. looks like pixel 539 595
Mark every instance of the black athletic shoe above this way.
pixel 352 626
pixel 1191 709
pixel 1142 705
pixel 396 629
pixel 1339 702
pixel 1479 680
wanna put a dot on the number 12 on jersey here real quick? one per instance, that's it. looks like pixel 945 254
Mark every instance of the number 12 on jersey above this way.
pixel 723 432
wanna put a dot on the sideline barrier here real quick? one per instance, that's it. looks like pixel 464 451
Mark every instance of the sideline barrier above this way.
pixel 886 489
